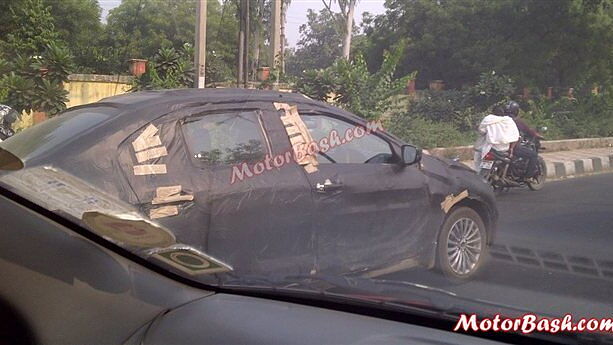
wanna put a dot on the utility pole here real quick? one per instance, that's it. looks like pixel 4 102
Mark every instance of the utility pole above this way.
pixel 275 45
pixel 200 51
pixel 282 38
pixel 246 49
pixel 241 44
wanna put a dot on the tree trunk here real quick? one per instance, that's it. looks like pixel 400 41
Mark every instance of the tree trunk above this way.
pixel 257 38
pixel 348 29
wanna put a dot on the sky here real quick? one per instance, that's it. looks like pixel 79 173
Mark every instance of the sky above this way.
pixel 296 14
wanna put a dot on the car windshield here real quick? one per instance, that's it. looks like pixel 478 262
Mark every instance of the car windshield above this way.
pixel 443 158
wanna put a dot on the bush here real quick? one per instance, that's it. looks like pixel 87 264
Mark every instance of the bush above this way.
pixel 490 90
pixel 438 105
pixel 427 133
pixel 588 116
pixel 353 87
pixel 170 69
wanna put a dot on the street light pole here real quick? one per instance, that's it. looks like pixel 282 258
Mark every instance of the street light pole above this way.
pixel 200 51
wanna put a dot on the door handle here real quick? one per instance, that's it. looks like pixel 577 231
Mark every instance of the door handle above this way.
pixel 328 186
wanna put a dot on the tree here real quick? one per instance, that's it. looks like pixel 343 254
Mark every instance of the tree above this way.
pixel 35 29
pixel 138 29
pixel 320 42
pixel 38 62
pixel 539 43
pixel 78 24
pixel 70 17
pixel 354 88
pixel 347 12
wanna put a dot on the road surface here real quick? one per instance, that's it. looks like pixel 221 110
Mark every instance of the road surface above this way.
pixel 553 252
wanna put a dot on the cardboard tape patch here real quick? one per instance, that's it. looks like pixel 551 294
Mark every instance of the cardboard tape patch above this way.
pixel 147 139
pixel 451 200
pixel 150 154
pixel 149 169
pixel 299 135
pixel 165 195
pixel 164 211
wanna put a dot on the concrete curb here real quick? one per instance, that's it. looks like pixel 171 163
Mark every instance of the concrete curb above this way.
pixel 578 167
pixel 568 145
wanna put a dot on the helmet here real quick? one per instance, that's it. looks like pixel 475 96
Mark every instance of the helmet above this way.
pixel 512 108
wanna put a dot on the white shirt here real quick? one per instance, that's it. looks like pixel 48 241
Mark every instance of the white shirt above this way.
pixel 498 132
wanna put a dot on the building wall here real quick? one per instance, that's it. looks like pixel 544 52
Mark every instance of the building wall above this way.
pixel 89 88
pixel 83 89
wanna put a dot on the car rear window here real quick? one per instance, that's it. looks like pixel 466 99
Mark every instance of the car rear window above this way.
pixel 228 138
pixel 53 133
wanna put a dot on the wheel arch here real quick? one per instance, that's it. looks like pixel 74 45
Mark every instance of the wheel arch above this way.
pixel 483 210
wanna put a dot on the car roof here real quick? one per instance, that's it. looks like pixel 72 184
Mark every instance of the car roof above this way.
pixel 206 95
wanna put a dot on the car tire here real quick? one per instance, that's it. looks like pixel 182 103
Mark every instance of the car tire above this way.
pixel 462 244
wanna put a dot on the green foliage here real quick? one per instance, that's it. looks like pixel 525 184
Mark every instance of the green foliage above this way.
pixel 489 90
pixel 320 43
pixel 585 117
pixel 317 84
pixel 77 22
pixel 350 84
pixel 58 61
pixel 34 29
pixel 140 32
pixel 19 91
pixel 170 69
pixel 539 43
pixel 426 133
pixel 32 78
pixel 49 97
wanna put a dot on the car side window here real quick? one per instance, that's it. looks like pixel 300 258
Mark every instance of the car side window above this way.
pixel 225 139
pixel 366 148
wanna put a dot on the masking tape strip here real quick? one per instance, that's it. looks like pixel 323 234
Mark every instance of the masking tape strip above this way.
pixel 164 195
pixel 143 144
pixel 172 198
pixel 164 211
pixel 310 168
pixel 451 200
pixel 280 106
pixel 144 139
pixel 292 130
pixel 298 134
pixel 162 192
pixel 150 131
pixel 287 121
pixel 297 140
pixel 149 169
pixel 151 154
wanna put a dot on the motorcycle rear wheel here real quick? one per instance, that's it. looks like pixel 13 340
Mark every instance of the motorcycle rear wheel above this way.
pixel 538 182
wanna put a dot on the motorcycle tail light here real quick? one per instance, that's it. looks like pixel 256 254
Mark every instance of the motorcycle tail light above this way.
pixel 489 156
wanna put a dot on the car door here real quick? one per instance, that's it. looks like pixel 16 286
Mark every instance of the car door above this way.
pixel 259 217
pixel 370 210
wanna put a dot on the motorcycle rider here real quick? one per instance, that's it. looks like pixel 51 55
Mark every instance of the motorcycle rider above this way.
pixel 498 132
pixel 531 156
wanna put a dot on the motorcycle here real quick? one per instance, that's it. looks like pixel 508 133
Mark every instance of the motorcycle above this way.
pixel 503 172
pixel 7 117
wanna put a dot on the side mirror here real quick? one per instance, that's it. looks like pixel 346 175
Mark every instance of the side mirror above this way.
pixel 410 155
